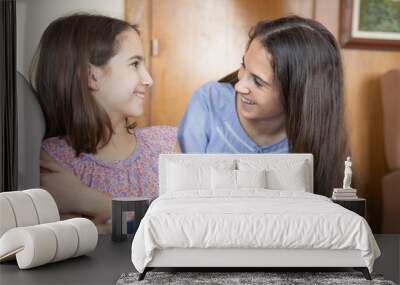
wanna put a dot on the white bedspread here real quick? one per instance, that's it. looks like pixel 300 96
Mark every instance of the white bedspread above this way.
pixel 250 219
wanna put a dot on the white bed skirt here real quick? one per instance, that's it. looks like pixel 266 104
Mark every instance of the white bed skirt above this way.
pixel 194 257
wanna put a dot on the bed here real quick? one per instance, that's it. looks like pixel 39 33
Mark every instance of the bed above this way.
pixel 246 211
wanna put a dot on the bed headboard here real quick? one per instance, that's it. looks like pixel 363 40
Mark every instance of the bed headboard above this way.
pixel 277 162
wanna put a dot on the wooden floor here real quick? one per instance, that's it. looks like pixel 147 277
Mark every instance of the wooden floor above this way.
pixel 110 260
pixel 389 262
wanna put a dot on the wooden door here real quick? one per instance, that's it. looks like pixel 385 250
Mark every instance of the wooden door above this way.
pixel 199 41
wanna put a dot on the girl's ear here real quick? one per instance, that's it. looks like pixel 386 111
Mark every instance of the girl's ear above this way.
pixel 93 77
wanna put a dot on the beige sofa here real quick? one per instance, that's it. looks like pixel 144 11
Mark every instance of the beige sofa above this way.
pixel 390 86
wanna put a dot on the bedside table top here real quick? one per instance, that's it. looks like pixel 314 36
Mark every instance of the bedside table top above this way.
pixel 349 199
pixel 131 199
pixel 356 205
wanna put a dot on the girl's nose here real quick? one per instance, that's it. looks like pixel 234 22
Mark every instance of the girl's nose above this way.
pixel 146 79
pixel 241 86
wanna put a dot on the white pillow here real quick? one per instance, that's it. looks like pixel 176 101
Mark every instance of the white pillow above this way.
pixel 281 174
pixel 293 179
pixel 185 174
pixel 187 177
pixel 223 179
pixel 235 179
pixel 251 178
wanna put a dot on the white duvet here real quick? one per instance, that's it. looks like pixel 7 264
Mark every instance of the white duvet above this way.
pixel 250 218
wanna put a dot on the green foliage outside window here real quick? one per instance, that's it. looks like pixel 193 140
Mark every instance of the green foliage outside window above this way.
pixel 380 16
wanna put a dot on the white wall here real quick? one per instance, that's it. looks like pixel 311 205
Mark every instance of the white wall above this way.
pixel 33 16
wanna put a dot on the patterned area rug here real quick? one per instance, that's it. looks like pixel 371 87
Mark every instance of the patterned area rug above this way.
pixel 230 278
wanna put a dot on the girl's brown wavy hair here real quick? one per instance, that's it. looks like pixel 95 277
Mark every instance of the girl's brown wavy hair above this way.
pixel 59 76
pixel 308 68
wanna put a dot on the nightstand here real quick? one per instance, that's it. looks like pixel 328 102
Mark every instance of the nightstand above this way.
pixel 358 206
pixel 121 208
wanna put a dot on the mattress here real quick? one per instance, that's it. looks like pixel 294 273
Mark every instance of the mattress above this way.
pixel 250 219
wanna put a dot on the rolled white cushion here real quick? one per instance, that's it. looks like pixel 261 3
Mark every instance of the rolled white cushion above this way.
pixel 45 205
pixel 33 246
pixel 7 218
pixel 26 208
pixel 67 240
pixel 41 244
pixel 87 235
pixel 23 208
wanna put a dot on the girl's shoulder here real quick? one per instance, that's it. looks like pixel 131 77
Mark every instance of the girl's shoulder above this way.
pixel 214 89
pixel 214 95
pixel 155 133
pixel 59 149
pixel 157 136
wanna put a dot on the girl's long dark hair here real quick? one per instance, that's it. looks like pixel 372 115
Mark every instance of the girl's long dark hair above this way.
pixel 308 70
pixel 59 75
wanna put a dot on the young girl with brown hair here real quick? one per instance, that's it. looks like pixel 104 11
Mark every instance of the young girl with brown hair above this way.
pixel 286 97
pixel 90 78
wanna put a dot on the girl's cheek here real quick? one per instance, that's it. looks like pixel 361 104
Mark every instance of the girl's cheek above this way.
pixel 240 73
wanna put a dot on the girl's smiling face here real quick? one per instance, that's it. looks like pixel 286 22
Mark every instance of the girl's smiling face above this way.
pixel 119 86
pixel 258 97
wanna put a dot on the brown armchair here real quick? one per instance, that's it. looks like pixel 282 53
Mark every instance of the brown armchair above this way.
pixel 390 86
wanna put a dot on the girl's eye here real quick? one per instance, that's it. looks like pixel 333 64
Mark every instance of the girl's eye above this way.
pixel 135 64
pixel 257 82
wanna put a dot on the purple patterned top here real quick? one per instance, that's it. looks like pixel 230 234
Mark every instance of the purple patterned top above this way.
pixel 136 176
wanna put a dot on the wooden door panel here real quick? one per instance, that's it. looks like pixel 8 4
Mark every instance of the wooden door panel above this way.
pixel 202 40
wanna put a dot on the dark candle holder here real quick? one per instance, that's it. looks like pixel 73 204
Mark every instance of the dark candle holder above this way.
pixel 120 208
